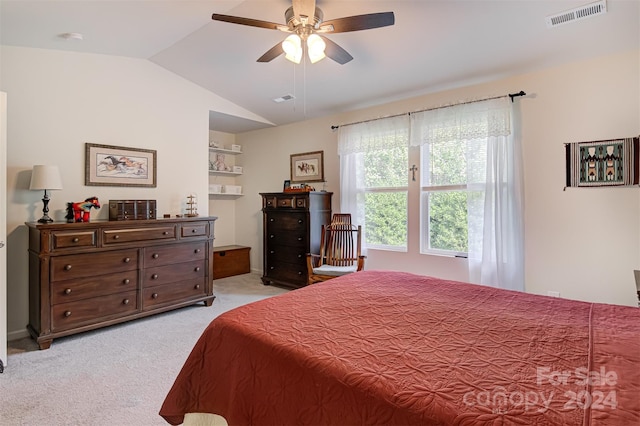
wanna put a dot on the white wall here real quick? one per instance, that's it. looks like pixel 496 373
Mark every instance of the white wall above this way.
pixel 60 100
pixel 581 242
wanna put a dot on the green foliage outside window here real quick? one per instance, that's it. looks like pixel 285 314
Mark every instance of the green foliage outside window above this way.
pixel 386 198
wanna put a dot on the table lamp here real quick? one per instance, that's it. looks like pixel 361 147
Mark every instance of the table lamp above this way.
pixel 47 178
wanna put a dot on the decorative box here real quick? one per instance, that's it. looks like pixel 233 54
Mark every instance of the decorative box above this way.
pixel 215 188
pixel 233 189
pixel 132 209
pixel 237 169
pixel 237 148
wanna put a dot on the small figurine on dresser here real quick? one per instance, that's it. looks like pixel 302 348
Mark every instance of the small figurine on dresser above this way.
pixel 81 210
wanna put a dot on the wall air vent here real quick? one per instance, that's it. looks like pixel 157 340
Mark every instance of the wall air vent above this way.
pixel 583 12
pixel 284 98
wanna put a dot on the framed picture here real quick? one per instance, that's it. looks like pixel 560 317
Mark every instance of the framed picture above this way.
pixel 307 167
pixel 107 165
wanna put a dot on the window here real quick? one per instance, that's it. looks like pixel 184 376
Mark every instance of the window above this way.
pixel 470 187
pixel 374 181
pixel 447 170
pixel 385 198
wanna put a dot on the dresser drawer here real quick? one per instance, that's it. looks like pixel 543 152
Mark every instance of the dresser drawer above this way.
pixel 84 239
pixel 124 235
pixel 170 293
pixel 173 273
pixel 198 229
pixel 170 254
pixel 288 272
pixel 277 221
pixel 292 239
pixel 89 311
pixel 278 253
pixel 285 201
pixel 93 264
pixel 84 288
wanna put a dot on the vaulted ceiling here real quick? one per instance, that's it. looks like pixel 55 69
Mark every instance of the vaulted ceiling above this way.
pixel 434 45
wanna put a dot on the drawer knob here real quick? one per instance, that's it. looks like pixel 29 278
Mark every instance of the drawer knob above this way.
pixel 196 251
pixel 272 267
pixel 193 231
pixel 272 220
pixel 126 281
pixel 165 233
pixel 67 267
pixel 300 220
pixel 299 238
pixel 197 286
pixel 271 251
pixel 299 256
pixel 271 236
pixel 154 296
pixel 67 291
pixel 116 237
pixel 197 269
pixel 125 302
pixel 299 272
pixel 155 255
pixel 67 313
pixel 154 276
pixel 76 239
pixel 127 260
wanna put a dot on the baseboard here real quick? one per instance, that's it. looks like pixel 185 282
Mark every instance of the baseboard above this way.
pixel 17 335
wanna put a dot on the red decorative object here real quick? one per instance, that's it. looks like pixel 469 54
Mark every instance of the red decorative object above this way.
pixel 80 211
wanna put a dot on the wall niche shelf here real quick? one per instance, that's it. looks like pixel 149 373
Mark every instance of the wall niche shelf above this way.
pixel 221 173
pixel 224 195
pixel 225 151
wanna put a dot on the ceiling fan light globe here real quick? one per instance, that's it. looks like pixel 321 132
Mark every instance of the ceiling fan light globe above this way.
pixel 315 47
pixel 292 47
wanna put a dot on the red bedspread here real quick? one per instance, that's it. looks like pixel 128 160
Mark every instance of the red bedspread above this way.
pixel 379 347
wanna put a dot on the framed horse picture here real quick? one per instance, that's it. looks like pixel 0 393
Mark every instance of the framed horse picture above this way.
pixel 307 167
pixel 107 165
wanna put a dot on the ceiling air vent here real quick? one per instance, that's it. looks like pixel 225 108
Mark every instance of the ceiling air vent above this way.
pixel 583 12
pixel 284 98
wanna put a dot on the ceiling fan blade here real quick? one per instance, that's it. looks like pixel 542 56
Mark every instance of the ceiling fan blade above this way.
pixel 248 21
pixel 272 53
pixel 335 52
pixel 359 22
pixel 304 8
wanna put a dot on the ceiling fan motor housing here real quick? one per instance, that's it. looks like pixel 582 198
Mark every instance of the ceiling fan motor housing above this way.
pixel 314 21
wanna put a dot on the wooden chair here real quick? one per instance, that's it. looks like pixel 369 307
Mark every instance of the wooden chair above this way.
pixel 340 250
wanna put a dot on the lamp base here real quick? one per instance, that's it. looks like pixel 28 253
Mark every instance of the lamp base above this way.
pixel 45 219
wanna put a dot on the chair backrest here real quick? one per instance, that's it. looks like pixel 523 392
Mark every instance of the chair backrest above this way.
pixel 340 244
pixel 341 218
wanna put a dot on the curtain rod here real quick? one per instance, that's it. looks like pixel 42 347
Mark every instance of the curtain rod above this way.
pixel 511 95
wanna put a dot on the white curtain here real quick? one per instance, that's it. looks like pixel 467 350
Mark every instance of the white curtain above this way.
pixel 495 221
pixel 353 141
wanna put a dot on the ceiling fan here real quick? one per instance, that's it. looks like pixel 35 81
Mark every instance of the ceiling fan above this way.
pixel 305 24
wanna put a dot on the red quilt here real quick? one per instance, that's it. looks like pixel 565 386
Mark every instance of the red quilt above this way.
pixel 391 348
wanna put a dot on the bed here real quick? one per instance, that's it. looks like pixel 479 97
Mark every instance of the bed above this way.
pixel 393 348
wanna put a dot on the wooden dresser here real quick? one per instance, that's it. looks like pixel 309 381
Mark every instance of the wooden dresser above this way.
pixel 84 276
pixel 292 223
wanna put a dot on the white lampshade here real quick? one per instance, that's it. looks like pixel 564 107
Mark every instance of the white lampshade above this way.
pixel 45 177
pixel 316 46
pixel 292 47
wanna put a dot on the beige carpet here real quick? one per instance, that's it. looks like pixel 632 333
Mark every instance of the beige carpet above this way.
pixel 118 375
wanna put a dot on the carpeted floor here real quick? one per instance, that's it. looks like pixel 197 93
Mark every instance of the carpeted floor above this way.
pixel 118 375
